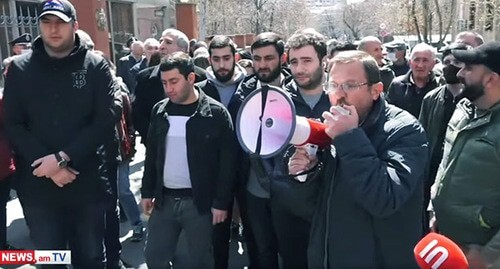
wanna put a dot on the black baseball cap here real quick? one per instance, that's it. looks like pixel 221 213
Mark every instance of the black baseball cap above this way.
pixel 60 8
pixel 487 54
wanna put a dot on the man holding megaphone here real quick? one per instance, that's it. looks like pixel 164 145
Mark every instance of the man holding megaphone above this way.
pixel 369 212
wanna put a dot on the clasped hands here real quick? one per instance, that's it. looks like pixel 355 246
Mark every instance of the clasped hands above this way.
pixel 48 167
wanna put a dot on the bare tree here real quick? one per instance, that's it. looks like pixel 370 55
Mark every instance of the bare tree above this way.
pixel 426 12
pixel 255 16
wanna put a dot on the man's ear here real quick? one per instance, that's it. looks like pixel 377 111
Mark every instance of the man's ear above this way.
pixel 376 89
pixel 75 26
pixel 191 77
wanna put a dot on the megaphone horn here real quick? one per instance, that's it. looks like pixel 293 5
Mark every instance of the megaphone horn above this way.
pixel 267 123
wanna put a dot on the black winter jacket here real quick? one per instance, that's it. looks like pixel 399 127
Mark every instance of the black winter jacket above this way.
pixel 370 211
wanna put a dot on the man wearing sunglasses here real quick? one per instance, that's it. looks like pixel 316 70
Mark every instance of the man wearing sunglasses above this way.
pixel 369 212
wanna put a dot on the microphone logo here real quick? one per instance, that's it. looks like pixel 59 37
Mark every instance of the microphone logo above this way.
pixel 430 251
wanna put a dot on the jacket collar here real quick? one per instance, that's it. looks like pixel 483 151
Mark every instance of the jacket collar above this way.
pixel 155 72
pixel 372 120
pixel 203 108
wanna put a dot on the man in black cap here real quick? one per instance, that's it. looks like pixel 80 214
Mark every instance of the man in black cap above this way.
pixel 437 107
pixel 396 52
pixel 465 194
pixel 21 44
pixel 59 111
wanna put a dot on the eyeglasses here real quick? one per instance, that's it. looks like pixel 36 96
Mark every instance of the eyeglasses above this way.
pixel 346 87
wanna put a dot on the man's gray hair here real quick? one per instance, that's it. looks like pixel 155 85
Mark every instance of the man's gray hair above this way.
pixel 182 39
pixel 151 42
pixel 421 47
pixel 368 39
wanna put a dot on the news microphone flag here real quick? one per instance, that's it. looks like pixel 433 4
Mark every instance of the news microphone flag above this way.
pixel 35 257
pixel 436 251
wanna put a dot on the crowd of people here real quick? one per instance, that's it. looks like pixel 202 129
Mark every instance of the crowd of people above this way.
pixel 417 151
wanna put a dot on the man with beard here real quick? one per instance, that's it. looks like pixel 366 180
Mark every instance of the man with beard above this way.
pixel 437 107
pixel 292 220
pixel 223 77
pixel 267 50
pixel 465 194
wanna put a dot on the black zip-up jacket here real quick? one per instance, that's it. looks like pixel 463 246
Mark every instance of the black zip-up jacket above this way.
pixel 59 104
pixel 297 197
pixel 211 149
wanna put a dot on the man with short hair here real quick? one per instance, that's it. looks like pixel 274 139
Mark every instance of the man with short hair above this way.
pixel 56 127
pixel 151 46
pixel 267 50
pixel 465 194
pixel 396 52
pixel 125 63
pixel 437 107
pixel 189 167
pixel 407 91
pixel 291 216
pixel 369 210
pixel 149 90
pixel 223 78
pixel 373 46
pixel 471 38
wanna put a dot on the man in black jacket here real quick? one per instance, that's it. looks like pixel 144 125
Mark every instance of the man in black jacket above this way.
pixel 369 210
pixel 407 91
pixel 149 90
pixel 59 110
pixel 189 167
pixel 223 78
pixel 437 107
pixel 292 219
pixel 267 50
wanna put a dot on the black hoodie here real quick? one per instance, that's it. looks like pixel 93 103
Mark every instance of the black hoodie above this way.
pixel 59 104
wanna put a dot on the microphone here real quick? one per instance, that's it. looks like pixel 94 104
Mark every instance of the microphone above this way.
pixel 436 251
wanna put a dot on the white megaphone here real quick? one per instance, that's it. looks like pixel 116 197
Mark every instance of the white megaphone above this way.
pixel 267 124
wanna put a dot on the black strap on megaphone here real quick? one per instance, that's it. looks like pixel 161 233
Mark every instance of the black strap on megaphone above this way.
pixel 255 158
pixel 263 107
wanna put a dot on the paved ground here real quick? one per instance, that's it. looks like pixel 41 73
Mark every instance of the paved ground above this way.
pixel 132 253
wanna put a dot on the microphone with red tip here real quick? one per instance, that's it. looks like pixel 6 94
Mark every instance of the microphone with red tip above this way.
pixel 435 251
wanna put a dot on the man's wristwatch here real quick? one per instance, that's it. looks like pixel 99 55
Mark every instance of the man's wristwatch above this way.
pixel 61 162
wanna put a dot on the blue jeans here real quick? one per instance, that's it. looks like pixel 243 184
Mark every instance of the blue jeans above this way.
pixel 125 196
pixel 52 227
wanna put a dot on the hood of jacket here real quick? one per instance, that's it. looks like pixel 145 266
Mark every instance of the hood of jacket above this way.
pixel 238 76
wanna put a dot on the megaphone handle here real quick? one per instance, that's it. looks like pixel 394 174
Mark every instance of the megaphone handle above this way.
pixel 258 145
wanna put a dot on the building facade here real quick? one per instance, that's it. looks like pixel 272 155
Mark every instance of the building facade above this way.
pixel 482 16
